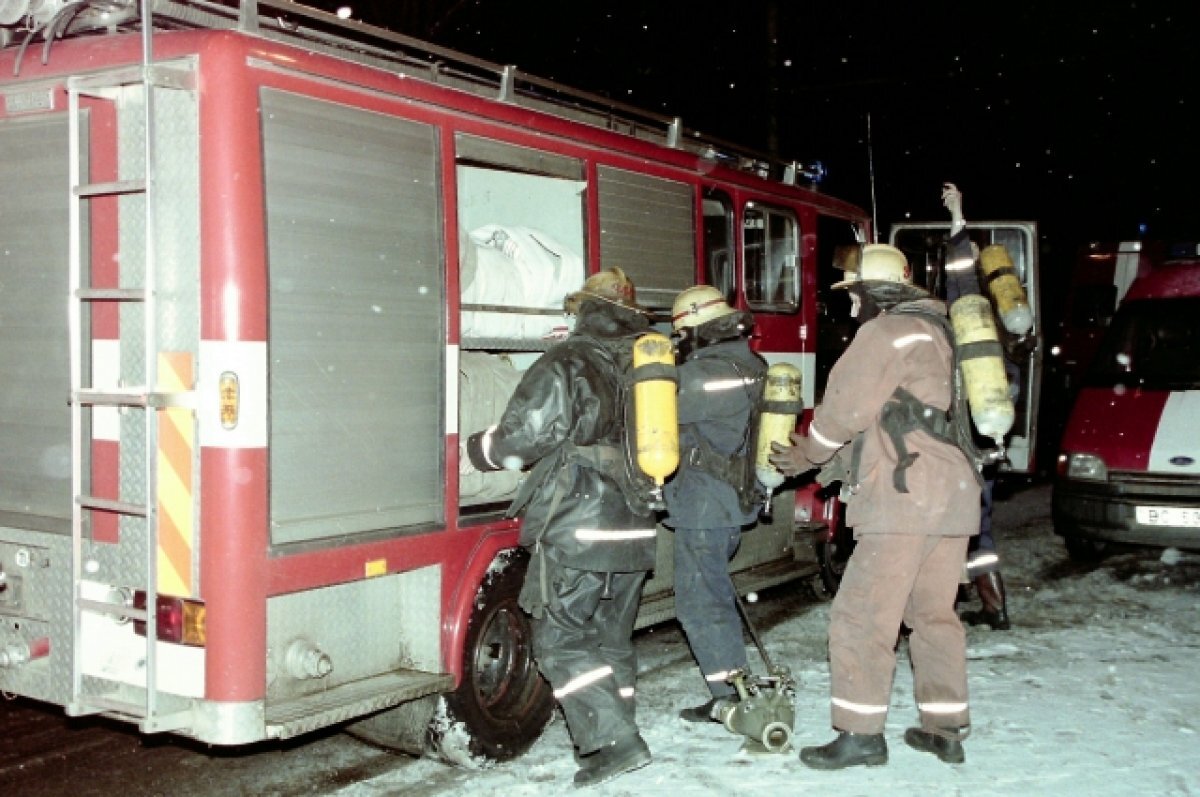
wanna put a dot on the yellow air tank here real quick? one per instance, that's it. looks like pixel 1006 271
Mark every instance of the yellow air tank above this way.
pixel 980 355
pixel 781 405
pixel 1006 290
pixel 656 415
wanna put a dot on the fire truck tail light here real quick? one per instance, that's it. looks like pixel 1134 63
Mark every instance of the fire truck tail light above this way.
pixel 178 620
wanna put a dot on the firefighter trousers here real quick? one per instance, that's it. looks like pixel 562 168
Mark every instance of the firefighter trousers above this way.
pixel 706 604
pixel 892 578
pixel 584 647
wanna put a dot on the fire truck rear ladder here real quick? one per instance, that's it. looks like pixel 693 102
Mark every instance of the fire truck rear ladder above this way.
pixel 87 697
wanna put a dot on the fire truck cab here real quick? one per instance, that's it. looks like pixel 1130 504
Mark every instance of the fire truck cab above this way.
pixel 261 269
pixel 1128 470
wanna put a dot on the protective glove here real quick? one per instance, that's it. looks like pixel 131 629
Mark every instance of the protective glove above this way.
pixel 790 459
pixel 952 199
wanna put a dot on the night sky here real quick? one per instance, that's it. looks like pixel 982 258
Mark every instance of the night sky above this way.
pixel 1082 117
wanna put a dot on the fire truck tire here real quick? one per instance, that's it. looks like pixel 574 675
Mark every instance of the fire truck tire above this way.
pixel 503 703
pixel 832 555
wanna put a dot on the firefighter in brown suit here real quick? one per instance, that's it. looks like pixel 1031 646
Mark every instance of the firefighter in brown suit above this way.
pixel 912 498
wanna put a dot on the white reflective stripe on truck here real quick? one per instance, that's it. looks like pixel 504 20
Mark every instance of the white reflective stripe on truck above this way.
pixel 1178 435
pixel 106 373
pixel 247 360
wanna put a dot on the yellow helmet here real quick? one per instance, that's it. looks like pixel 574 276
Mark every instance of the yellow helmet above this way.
pixel 610 285
pixel 876 263
pixel 698 305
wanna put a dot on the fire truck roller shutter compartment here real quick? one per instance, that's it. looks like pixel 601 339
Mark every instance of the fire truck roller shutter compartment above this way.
pixel 357 375
pixel 35 426
pixel 521 242
pixel 647 229
pixel 356 310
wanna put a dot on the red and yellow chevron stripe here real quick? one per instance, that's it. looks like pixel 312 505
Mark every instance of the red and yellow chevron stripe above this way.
pixel 176 501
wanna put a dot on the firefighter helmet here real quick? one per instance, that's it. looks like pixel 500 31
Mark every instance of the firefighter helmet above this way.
pixel 698 305
pixel 877 263
pixel 610 285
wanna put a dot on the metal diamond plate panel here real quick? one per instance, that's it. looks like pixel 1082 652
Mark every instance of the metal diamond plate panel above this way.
pixel 176 298
pixel 37 608
pixel 376 641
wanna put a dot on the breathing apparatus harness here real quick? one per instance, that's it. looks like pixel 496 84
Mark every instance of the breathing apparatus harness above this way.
pixel 737 468
pixel 903 413
pixel 618 461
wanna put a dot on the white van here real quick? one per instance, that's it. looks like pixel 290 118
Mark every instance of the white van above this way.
pixel 1129 464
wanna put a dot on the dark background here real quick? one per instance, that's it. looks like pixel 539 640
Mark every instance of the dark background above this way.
pixel 1082 117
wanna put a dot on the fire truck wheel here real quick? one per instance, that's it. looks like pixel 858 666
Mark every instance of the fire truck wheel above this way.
pixel 832 555
pixel 503 703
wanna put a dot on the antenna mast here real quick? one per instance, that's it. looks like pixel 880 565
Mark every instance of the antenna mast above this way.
pixel 871 172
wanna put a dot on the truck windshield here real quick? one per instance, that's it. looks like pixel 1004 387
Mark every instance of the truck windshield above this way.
pixel 1152 343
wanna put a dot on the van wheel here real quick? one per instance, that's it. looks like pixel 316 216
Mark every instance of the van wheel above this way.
pixel 832 556
pixel 503 704
pixel 1081 549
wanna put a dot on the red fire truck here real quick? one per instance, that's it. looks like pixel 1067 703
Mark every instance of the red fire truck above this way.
pixel 260 269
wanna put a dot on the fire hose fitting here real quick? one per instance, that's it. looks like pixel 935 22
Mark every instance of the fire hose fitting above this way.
pixel 305 660
pixel 14 654
pixel 764 713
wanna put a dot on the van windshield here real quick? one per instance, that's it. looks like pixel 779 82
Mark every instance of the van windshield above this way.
pixel 1152 343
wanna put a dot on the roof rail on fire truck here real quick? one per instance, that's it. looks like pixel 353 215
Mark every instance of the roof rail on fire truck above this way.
pixel 315 29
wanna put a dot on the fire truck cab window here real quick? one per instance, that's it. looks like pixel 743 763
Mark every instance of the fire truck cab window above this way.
pixel 770 256
pixel 719 265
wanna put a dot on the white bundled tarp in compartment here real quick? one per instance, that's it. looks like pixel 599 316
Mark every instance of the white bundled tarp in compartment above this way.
pixel 517 267
pixel 486 382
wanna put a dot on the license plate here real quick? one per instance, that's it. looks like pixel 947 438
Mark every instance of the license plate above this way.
pixel 1169 516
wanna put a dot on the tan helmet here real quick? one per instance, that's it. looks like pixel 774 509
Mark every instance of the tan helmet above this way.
pixel 610 285
pixel 698 305
pixel 877 263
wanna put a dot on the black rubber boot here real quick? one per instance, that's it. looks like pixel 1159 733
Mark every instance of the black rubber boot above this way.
pixel 948 750
pixel 847 750
pixel 707 712
pixel 994 605
pixel 623 755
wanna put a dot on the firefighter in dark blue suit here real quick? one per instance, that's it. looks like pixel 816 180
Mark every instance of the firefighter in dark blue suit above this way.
pixel 720 383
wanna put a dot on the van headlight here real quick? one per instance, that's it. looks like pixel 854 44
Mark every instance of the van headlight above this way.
pixel 1086 466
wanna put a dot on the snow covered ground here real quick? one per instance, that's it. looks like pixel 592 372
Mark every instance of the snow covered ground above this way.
pixel 1095 690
